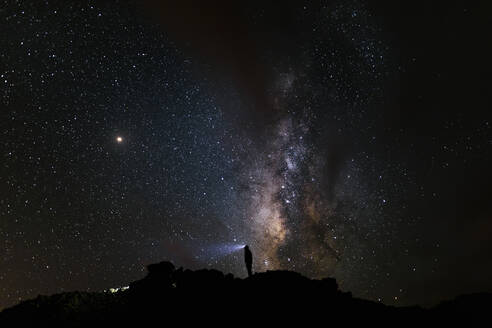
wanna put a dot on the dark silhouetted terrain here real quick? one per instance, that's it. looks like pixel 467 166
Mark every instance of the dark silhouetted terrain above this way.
pixel 167 294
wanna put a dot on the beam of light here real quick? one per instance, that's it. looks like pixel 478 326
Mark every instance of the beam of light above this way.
pixel 219 250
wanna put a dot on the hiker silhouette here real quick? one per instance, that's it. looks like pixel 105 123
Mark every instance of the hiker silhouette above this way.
pixel 248 258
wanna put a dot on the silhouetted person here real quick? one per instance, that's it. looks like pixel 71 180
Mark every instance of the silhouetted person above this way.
pixel 248 258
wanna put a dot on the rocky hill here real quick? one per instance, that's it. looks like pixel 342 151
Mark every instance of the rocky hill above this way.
pixel 167 294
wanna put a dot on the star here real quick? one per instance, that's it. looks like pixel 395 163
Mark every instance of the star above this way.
pixel 119 139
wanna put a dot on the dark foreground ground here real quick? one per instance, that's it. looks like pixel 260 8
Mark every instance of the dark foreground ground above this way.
pixel 167 296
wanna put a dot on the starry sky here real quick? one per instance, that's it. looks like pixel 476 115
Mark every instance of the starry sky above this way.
pixel 336 138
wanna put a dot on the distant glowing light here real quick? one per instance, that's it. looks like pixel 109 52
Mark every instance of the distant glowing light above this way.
pixel 119 139
pixel 118 289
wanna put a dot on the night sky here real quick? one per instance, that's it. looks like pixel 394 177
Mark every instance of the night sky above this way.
pixel 336 138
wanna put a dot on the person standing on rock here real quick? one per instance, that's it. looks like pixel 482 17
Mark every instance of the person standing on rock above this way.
pixel 248 258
